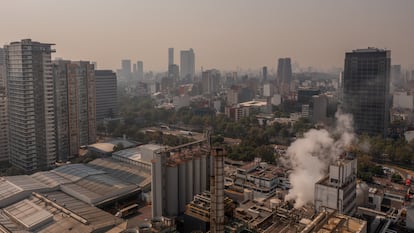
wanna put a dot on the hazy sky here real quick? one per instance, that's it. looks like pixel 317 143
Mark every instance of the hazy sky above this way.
pixel 224 34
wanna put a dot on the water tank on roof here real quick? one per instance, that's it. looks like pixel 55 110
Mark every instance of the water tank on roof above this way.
pixel 274 203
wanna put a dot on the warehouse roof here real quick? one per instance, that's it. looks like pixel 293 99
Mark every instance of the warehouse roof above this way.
pixel 98 188
pixel 122 171
pixel 51 179
pixel 28 214
pixel 55 212
pixel 75 172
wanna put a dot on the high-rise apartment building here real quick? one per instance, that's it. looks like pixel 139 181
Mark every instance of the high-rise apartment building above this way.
pixel 187 64
pixel 75 106
pixel 30 89
pixel 366 85
pixel 170 56
pixel 2 68
pixel 2 56
pixel 4 134
pixel 106 94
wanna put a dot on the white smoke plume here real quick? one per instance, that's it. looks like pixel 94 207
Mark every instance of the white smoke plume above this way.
pixel 310 156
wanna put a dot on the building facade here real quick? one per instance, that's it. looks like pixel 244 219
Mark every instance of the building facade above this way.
pixel 338 189
pixel 30 88
pixel 75 108
pixel 106 94
pixel 4 134
pixel 366 86
pixel 187 64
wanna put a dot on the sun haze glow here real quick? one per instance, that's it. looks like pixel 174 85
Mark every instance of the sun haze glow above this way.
pixel 224 34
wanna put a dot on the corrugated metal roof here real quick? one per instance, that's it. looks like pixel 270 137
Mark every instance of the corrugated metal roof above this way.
pixel 96 217
pixel 26 183
pixel 97 188
pixel 120 170
pixel 8 189
pixel 9 224
pixel 75 172
pixel 28 214
pixel 51 179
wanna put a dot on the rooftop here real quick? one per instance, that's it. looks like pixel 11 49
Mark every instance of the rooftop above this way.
pixel 253 103
pixel 55 212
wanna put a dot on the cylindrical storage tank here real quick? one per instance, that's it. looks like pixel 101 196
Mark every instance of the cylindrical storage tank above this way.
pixel 248 194
pixel 171 192
pixel 190 182
pixel 182 179
pixel 203 175
pixel 274 203
pixel 197 180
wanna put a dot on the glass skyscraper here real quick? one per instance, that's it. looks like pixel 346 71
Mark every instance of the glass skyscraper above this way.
pixel 366 86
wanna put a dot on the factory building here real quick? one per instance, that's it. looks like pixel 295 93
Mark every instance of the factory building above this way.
pixel 178 174
pixel 71 198
pixel 337 190
pixel 331 221
pixel 197 213
pixel 261 178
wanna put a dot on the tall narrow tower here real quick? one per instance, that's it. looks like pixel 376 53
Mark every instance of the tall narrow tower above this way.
pixel 217 191
pixel 170 56
pixel 30 90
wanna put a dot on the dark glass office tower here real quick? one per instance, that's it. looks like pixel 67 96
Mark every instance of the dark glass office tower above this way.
pixel 366 89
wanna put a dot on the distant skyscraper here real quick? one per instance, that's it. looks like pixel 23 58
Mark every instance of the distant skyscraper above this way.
pixel 31 112
pixel 126 69
pixel 170 56
pixel 366 85
pixel 210 81
pixel 396 77
pixel 106 94
pixel 173 72
pixel 264 73
pixel 284 75
pixel 187 65
pixel 75 106
pixel 140 70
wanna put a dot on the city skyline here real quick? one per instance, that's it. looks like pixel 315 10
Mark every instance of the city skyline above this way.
pixel 257 33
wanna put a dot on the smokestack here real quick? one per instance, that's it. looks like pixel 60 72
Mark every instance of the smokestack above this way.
pixel 217 192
